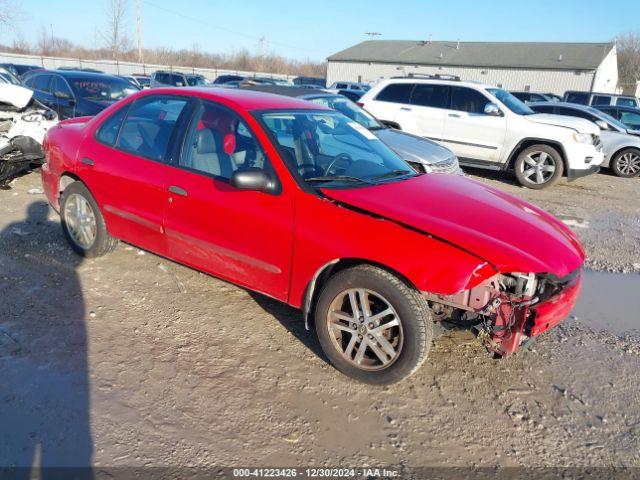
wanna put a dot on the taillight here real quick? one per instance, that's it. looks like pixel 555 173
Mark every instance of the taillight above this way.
pixel 360 104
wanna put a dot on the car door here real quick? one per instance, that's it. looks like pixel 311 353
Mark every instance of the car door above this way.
pixel 471 133
pixel 425 114
pixel 243 236
pixel 124 166
pixel 65 99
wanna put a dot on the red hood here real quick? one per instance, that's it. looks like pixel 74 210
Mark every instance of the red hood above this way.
pixel 511 234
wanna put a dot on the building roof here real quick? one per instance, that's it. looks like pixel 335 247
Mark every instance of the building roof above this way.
pixel 540 55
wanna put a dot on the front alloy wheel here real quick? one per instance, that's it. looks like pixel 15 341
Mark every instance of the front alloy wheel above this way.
pixel 365 329
pixel 372 325
pixel 626 164
pixel 538 166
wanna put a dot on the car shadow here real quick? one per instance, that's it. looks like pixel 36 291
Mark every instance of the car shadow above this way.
pixel 505 176
pixel 291 319
pixel 44 392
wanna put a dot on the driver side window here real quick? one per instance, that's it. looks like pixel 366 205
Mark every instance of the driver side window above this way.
pixel 60 88
pixel 467 100
pixel 218 143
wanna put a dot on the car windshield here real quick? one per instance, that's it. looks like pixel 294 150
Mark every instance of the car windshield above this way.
pixel 101 89
pixel 511 102
pixel 329 149
pixel 10 78
pixel 195 80
pixel 348 108
pixel 606 117
pixel 144 81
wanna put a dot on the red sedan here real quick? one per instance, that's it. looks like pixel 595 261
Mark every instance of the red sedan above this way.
pixel 300 203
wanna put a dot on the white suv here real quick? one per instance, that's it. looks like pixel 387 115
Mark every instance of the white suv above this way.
pixel 487 127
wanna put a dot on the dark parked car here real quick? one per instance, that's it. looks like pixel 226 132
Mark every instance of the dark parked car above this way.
pixel 595 99
pixel 73 93
pixel 630 116
pixel 317 82
pixel 17 69
pixel 222 79
pixel 195 80
pixel 530 97
pixel 80 69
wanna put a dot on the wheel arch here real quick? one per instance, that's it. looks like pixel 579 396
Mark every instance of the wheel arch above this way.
pixel 529 142
pixel 326 271
pixel 621 149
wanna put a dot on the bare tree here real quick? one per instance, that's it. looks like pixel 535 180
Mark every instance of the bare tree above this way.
pixel 115 37
pixel 10 14
pixel 628 46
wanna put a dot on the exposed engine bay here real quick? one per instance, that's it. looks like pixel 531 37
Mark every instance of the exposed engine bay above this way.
pixel 508 309
pixel 23 124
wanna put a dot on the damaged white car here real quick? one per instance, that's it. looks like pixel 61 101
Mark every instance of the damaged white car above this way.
pixel 23 124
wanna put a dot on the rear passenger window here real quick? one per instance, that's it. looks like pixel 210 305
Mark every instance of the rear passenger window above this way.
pixel 41 82
pixel 149 124
pixel 108 131
pixel 427 95
pixel 601 100
pixel 577 97
pixel 626 102
pixel 396 93
pixel 467 100
pixel 177 80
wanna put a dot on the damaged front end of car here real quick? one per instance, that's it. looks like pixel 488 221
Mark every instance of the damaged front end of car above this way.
pixel 23 124
pixel 508 309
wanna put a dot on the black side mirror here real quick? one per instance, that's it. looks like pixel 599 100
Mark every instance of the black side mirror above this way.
pixel 255 179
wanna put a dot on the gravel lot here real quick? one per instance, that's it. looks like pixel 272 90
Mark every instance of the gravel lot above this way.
pixel 132 360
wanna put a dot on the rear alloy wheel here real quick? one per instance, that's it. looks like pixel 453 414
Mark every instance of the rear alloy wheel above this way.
pixel 372 326
pixel 626 163
pixel 83 224
pixel 538 166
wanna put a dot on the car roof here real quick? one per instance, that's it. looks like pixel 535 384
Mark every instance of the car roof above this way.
pixel 288 91
pixel 76 74
pixel 440 81
pixel 619 107
pixel 599 93
pixel 576 106
pixel 240 97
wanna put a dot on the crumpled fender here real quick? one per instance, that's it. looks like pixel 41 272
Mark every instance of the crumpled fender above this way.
pixel 428 263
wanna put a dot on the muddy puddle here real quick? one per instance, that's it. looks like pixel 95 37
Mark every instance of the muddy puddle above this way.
pixel 610 301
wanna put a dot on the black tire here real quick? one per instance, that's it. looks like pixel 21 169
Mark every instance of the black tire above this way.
pixel 629 158
pixel 103 243
pixel 552 157
pixel 412 310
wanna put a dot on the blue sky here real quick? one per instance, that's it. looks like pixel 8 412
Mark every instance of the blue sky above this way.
pixel 315 29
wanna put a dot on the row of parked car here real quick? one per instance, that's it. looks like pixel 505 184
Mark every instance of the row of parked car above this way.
pixel 488 127
pixel 538 136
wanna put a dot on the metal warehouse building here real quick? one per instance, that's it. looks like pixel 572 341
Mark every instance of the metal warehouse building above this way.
pixel 536 67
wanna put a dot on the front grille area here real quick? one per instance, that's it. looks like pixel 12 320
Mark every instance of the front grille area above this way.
pixel 595 140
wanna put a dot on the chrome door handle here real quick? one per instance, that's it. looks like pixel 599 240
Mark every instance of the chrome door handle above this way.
pixel 178 190
pixel 454 115
pixel 406 109
pixel 87 161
